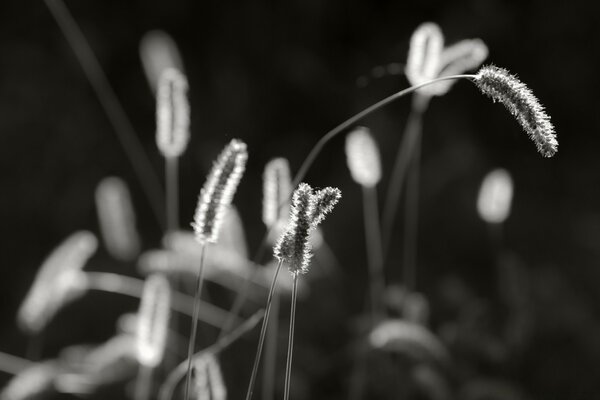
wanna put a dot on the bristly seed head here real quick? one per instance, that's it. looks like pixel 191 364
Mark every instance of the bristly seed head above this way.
pixel 307 211
pixel 362 155
pixel 277 187
pixel 172 113
pixel 218 191
pixel 501 86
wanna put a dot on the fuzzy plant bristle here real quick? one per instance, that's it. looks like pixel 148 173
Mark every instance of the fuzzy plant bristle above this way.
pixel 158 52
pixel 362 155
pixel 277 186
pixel 307 211
pixel 520 101
pixel 172 113
pixel 424 53
pixel 153 320
pixel 218 190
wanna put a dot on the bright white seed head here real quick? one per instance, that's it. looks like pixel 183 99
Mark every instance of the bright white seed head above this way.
pixel 218 190
pixel 58 281
pixel 424 53
pixel 158 52
pixel 520 101
pixel 172 113
pixel 208 379
pixel 495 196
pixel 362 155
pixel 457 59
pixel 307 211
pixel 277 187
pixel 116 216
pixel 153 320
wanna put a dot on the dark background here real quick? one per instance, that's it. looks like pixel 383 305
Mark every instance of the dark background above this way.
pixel 278 75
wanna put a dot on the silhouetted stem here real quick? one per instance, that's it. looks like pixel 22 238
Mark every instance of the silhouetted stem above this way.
pixel 270 371
pixel 143 383
pixel 374 250
pixel 290 351
pixel 172 192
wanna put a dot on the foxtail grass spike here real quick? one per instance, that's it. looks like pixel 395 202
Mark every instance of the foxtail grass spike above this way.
pixel 153 320
pixel 424 53
pixel 325 199
pixel 520 101
pixel 58 281
pixel 116 216
pixel 158 52
pixel 208 379
pixel 172 113
pixel 218 191
pixel 495 196
pixel 362 155
pixel 277 187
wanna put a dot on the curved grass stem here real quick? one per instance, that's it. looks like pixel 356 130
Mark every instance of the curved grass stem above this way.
pixel 270 370
pixel 290 351
pixel 194 329
pixel 13 364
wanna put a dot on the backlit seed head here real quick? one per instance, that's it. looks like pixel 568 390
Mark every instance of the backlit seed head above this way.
pixel 277 187
pixel 158 52
pixel 116 216
pixel 172 113
pixel 153 320
pixel 362 155
pixel 218 190
pixel 325 199
pixel 520 101
pixel 424 53
pixel 208 379
pixel 495 196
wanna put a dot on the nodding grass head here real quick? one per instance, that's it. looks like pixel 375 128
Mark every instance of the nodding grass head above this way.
pixel 172 113
pixel 153 320
pixel 520 101
pixel 362 155
pixel 218 190
pixel 307 211
pixel 495 196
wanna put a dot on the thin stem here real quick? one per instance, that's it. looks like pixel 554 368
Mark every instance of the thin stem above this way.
pixel 167 389
pixel 13 364
pixel 195 320
pixel 263 330
pixel 172 193
pixel 269 373
pixel 112 107
pixel 401 165
pixel 35 345
pixel 133 287
pixel 357 117
pixel 143 383
pixel 288 366
pixel 374 249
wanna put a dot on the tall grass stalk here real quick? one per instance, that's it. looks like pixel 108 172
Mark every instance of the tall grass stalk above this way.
pixel 112 107
pixel 270 369
pixel 374 250
pixel 290 351
pixel 194 328
pixel 172 192
pixel 263 331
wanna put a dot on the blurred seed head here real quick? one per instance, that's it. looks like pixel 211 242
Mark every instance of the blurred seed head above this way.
pixel 424 53
pixel 277 188
pixel 116 216
pixel 208 379
pixel 172 113
pixel 153 320
pixel 217 192
pixel 58 281
pixel 495 196
pixel 32 382
pixel 158 52
pixel 520 101
pixel 362 155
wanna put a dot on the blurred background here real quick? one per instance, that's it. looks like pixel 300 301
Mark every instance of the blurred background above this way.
pixel 279 76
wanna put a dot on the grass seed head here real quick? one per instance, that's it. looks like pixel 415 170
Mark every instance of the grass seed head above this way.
pixel 495 196
pixel 520 101
pixel 424 53
pixel 153 320
pixel 277 187
pixel 172 113
pixel 325 200
pixel 218 190
pixel 158 52
pixel 362 155
pixel 208 379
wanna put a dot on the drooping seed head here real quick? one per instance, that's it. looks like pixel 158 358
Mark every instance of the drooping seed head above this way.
pixel 208 379
pixel 495 196
pixel 457 59
pixel 325 199
pixel 293 246
pixel 362 155
pixel 520 101
pixel 153 320
pixel 277 187
pixel 117 219
pixel 58 281
pixel 158 52
pixel 172 113
pixel 218 191
pixel 424 53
